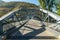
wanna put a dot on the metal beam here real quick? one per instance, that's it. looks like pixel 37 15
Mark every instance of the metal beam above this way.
pixel 8 15
pixel 53 15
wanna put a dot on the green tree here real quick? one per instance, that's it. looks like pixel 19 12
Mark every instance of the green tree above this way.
pixel 51 5
pixel 42 4
pixel 46 4
pixel 57 2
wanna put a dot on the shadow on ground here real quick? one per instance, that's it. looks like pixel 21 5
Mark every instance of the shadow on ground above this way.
pixel 16 34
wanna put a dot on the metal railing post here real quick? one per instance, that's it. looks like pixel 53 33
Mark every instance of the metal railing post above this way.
pixel 1 27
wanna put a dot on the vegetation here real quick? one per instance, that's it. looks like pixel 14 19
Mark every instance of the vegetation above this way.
pixel 51 5
pixel 9 6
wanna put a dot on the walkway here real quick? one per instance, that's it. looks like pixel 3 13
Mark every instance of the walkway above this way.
pixel 33 30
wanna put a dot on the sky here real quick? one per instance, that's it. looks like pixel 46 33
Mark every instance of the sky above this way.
pixel 30 1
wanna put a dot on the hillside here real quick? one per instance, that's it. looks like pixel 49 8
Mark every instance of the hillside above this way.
pixel 9 6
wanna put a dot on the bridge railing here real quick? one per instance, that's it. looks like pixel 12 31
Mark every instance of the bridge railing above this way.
pixel 52 27
pixel 3 19
pixel 11 20
pixel 6 19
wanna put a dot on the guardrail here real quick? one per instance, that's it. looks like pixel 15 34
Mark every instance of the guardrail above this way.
pixel 53 15
pixel 55 29
pixel 7 16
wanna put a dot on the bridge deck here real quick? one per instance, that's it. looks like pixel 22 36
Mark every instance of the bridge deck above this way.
pixel 37 25
pixel 33 29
